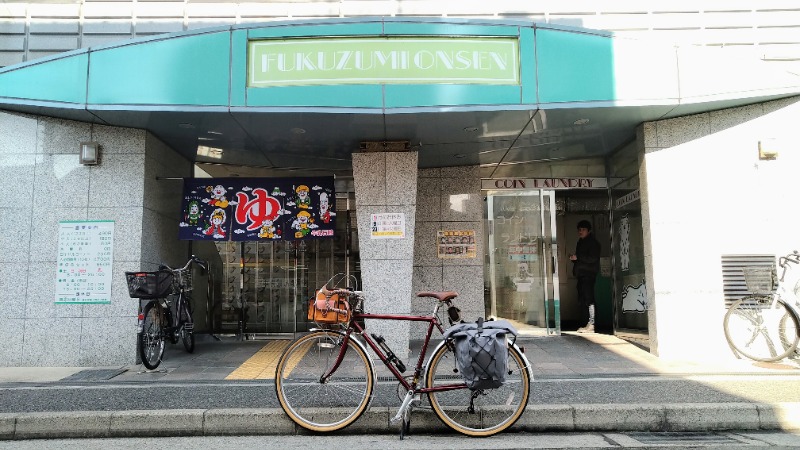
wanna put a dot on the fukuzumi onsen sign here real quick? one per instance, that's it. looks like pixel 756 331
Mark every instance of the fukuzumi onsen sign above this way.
pixel 398 60
pixel 258 209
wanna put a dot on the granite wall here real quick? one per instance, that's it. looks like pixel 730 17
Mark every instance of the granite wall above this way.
pixel 40 171
pixel 448 198
pixel 386 182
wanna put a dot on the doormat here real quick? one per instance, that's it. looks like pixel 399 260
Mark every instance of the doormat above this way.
pixel 94 375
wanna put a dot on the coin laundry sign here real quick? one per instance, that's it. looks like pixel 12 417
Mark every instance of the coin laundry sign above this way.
pixel 545 183
pixel 389 60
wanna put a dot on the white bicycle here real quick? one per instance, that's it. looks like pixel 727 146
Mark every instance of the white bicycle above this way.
pixel 764 325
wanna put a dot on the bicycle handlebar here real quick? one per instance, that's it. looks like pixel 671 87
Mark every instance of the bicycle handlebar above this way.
pixel 793 258
pixel 193 259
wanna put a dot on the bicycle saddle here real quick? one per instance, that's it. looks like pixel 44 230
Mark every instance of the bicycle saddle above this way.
pixel 441 296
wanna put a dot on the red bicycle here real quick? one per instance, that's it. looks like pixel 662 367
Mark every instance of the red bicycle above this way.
pixel 325 379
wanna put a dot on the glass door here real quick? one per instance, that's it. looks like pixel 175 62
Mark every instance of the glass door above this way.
pixel 522 275
pixel 266 285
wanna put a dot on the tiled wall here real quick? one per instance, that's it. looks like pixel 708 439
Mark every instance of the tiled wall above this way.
pixel 705 194
pixel 448 198
pixel 45 183
pixel 768 29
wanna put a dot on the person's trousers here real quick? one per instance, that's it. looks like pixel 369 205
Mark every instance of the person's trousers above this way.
pixel 585 296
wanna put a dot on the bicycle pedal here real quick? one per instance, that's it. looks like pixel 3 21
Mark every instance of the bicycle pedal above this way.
pixel 188 327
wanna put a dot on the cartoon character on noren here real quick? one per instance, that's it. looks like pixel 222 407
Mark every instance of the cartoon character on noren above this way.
pixel 215 223
pixel 193 213
pixel 218 198
pixel 325 212
pixel 303 223
pixel 303 199
pixel 268 230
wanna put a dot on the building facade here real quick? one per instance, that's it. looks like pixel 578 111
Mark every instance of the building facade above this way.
pixel 657 145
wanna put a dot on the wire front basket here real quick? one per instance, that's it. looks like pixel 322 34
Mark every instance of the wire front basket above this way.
pixel 182 277
pixel 759 280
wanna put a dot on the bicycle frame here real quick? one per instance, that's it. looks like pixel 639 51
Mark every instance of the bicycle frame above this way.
pixel 355 326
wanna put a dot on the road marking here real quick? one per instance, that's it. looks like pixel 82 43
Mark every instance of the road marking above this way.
pixel 260 366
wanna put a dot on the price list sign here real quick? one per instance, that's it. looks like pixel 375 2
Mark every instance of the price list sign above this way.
pixel 85 254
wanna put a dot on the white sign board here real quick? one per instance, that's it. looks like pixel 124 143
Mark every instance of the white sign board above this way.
pixel 388 226
pixel 85 256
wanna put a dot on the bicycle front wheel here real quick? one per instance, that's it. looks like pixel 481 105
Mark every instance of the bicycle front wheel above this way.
pixel 324 404
pixel 481 412
pixel 187 329
pixel 760 331
pixel 151 338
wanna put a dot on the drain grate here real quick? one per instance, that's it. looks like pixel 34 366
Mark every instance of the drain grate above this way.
pixel 683 438
pixel 94 375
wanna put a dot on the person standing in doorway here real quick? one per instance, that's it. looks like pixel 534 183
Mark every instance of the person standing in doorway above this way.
pixel 585 265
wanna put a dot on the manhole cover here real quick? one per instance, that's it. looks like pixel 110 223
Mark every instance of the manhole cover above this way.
pixel 94 375
pixel 678 438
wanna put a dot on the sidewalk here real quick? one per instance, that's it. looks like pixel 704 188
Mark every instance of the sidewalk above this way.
pixel 561 364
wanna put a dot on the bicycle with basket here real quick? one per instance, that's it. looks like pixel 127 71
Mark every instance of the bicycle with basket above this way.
pixel 476 381
pixel 765 324
pixel 157 323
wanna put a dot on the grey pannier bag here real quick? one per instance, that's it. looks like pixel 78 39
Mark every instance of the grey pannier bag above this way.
pixel 481 352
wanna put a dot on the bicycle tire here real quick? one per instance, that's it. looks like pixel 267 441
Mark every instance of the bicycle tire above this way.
pixel 187 333
pixel 341 399
pixel 495 410
pixel 151 338
pixel 760 332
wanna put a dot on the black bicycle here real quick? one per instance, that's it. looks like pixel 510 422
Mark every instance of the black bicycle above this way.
pixel 157 323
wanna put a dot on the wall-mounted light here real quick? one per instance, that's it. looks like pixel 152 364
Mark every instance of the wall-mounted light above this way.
pixel 767 150
pixel 90 153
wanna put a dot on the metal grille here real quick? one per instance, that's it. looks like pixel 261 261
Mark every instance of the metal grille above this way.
pixel 734 284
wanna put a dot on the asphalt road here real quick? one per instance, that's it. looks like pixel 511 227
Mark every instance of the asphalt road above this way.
pixel 672 441
pixel 111 396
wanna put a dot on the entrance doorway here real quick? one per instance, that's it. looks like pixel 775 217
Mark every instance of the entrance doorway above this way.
pixel 266 285
pixel 522 284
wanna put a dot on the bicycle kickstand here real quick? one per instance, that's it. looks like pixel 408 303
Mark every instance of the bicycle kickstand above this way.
pixel 404 414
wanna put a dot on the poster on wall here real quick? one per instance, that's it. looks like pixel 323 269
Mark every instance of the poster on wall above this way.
pixel 455 244
pixel 387 226
pixel 85 256
pixel 258 209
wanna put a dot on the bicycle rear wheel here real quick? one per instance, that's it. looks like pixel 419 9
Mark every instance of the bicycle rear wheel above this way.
pixel 492 411
pixel 151 338
pixel 324 405
pixel 760 331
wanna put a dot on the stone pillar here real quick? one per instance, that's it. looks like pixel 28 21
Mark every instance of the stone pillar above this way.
pixel 386 183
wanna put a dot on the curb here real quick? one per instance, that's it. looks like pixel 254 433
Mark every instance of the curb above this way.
pixel 538 418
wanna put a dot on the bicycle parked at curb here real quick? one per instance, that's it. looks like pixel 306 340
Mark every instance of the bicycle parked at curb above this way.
pixel 157 323
pixel 325 380
pixel 763 326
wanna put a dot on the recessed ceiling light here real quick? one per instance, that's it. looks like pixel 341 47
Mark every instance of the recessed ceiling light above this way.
pixel 581 122
pixel 298 131
pixel 471 129
pixel 215 132
pixel 459 155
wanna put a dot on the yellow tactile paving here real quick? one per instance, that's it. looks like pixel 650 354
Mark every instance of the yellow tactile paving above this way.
pixel 262 365
pixel 295 359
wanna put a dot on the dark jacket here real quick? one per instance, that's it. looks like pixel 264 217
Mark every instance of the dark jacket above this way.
pixel 588 253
